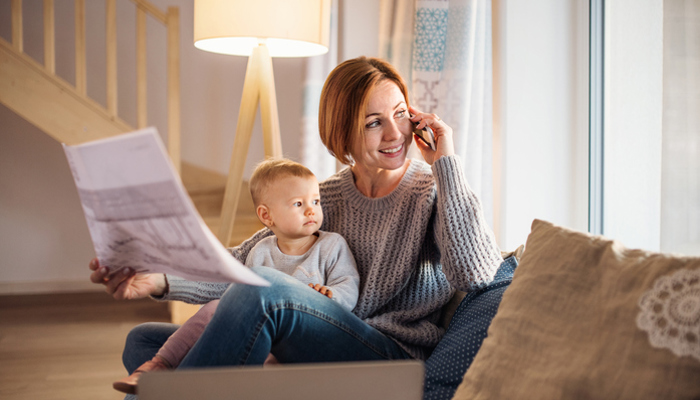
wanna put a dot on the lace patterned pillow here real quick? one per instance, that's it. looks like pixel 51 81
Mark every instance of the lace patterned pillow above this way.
pixel 670 313
pixel 568 327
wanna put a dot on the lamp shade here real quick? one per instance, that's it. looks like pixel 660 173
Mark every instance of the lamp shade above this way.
pixel 289 28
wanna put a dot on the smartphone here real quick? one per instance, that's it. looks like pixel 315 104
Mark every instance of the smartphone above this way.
pixel 427 136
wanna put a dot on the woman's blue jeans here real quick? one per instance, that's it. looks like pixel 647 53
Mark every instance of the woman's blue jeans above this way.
pixel 288 319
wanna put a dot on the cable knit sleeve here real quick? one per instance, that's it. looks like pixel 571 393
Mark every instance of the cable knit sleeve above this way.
pixel 469 253
pixel 195 292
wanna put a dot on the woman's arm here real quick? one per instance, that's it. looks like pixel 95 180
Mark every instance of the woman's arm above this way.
pixel 241 251
pixel 469 253
pixel 195 292
pixel 127 284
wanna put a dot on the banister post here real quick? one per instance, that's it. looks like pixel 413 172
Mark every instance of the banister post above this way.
pixel 80 60
pixel 111 46
pixel 173 26
pixel 17 28
pixel 49 37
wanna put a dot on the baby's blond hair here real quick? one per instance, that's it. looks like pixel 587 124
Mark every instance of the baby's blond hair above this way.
pixel 269 171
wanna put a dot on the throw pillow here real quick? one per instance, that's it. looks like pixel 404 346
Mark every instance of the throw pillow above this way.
pixel 586 318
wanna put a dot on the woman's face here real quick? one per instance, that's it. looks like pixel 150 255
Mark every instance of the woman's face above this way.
pixel 388 132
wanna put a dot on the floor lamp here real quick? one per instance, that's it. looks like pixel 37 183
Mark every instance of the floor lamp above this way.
pixel 260 30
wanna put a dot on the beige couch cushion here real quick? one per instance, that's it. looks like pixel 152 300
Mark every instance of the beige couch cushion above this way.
pixel 569 325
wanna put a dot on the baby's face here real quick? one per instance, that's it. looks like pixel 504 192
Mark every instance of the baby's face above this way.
pixel 294 204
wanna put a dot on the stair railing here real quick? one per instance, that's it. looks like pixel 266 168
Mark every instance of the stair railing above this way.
pixel 170 19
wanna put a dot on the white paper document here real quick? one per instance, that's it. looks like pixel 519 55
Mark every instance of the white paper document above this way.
pixel 140 216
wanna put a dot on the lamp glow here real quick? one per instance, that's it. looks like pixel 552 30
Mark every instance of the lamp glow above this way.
pixel 289 28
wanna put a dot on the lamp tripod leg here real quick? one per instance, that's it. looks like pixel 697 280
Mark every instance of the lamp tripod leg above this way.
pixel 268 105
pixel 241 144
pixel 258 88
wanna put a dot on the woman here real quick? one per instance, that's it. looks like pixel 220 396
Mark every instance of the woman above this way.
pixel 416 230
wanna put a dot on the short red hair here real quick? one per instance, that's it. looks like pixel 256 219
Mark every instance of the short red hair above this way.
pixel 344 101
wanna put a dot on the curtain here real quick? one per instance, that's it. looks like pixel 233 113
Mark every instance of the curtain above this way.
pixel 449 73
pixel 313 153
pixel 452 78
pixel 680 169
pixel 443 50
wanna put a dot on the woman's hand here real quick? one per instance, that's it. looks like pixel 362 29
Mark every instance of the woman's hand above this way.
pixel 322 289
pixel 127 284
pixel 443 135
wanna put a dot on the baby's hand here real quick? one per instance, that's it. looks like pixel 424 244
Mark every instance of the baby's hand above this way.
pixel 322 289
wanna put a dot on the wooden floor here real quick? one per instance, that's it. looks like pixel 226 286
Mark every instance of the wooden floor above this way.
pixel 67 346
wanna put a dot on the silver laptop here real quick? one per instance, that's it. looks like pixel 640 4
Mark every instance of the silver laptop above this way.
pixel 380 380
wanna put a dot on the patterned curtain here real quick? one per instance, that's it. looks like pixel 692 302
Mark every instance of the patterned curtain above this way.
pixel 452 77
pixel 313 153
pixel 443 49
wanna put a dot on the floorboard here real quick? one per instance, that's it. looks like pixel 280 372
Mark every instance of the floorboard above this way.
pixel 67 346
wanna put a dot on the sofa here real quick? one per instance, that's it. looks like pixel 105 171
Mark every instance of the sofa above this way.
pixel 578 316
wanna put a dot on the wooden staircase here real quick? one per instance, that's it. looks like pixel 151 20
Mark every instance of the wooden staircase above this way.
pixel 64 111
pixel 51 104
pixel 67 114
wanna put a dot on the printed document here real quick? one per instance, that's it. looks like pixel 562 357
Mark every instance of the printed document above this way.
pixel 140 216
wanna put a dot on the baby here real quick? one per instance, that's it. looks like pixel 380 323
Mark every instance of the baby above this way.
pixel 287 201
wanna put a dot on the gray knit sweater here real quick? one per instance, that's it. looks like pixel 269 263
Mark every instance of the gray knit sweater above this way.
pixel 413 249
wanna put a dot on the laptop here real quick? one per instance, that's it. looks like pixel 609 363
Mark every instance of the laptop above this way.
pixel 367 380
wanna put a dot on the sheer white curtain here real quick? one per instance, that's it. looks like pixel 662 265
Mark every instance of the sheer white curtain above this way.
pixel 313 153
pixel 680 170
pixel 450 73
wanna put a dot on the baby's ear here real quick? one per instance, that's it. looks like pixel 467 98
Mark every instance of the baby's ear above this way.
pixel 264 215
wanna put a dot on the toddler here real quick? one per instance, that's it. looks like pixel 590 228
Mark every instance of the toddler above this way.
pixel 287 201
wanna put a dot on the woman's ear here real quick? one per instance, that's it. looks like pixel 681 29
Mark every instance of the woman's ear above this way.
pixel 264 215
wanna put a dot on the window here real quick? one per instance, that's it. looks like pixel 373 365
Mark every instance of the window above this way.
pixel 649 188
pixel 680 165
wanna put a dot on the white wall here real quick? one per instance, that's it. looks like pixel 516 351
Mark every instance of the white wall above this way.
pixel 44 242
pixel 542 114
pixel 359 28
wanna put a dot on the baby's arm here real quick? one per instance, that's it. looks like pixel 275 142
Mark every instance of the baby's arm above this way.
pixel 340 270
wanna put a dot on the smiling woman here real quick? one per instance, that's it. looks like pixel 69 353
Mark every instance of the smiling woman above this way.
pixel 344 102
pixel 416 230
